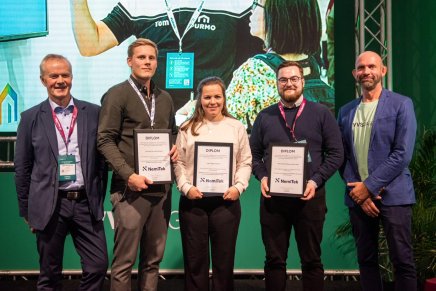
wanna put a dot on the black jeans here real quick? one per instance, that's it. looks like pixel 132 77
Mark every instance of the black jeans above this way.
pixel 200 220
pixel 277 217
pixel 396 221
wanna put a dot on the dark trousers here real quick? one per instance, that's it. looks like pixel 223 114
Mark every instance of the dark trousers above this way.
pixel 277 217
pixel 200 220
pixel 89 240
pixel 396 221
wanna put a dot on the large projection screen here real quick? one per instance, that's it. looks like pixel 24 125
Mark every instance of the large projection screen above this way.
pixel 219 42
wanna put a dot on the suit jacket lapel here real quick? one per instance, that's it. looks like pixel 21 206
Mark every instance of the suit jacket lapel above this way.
pixel 50 130
pixel 379 113
pixel 82 137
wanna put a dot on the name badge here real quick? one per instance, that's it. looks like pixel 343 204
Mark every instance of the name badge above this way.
pixel 180 71
pixel 309 159
pixel 67 168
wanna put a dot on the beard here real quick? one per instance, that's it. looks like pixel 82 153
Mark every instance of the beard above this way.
pixel 291 96
pixel 370 83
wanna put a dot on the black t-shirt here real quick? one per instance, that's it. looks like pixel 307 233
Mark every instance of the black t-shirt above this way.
pixel 220 39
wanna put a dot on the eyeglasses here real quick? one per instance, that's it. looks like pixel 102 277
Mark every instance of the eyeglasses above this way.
pixel 256 4
pixel 294 80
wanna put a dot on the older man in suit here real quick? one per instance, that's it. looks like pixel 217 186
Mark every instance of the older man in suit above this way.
pixel 61 178
pixel 378 132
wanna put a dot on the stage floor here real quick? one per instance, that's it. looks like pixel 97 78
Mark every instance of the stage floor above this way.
pixel 176 284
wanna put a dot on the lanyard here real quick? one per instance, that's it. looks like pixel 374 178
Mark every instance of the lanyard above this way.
pixel 300 110
pixel 153 102
pixel 191 22
pixel 61 130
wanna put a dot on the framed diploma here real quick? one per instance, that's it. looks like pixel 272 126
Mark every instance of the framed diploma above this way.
pixel 213 163
pixel 287 169
pixel 151 154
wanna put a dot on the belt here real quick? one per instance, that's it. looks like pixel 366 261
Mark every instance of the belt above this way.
pixel 73 195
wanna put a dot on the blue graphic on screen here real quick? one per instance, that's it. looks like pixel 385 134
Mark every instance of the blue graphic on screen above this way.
pixel 23 19
pixel 180 71
pixel 8 108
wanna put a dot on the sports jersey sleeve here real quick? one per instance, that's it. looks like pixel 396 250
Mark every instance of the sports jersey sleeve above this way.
pixel 119 23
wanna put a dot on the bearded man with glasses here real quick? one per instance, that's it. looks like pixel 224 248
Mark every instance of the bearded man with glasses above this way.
pixel 295 119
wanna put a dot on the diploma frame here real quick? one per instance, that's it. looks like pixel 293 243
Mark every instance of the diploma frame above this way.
pixel 276 181
pixel 198 163
pixel 138 135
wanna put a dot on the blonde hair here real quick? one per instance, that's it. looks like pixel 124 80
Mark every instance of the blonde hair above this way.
pixel 141 42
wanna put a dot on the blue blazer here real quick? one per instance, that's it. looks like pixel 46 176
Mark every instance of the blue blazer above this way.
pixel 390 149
pixel 36 166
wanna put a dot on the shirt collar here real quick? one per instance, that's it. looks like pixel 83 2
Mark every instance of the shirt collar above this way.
pixel 296 104
pixel 141 87
pixel 55 106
